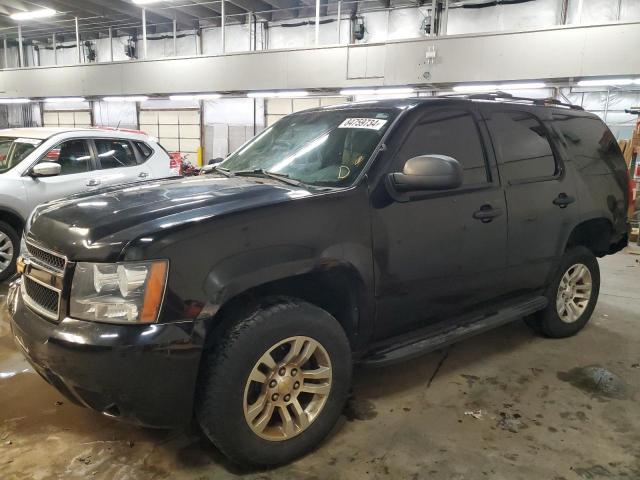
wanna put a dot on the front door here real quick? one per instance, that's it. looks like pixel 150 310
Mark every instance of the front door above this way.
pixel 76 168
pixel 440 254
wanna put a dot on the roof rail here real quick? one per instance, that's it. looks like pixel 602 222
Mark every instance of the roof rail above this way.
pixel 499 95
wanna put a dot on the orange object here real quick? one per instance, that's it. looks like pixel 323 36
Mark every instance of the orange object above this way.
pixel 154 293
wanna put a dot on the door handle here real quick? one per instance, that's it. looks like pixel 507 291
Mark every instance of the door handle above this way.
pixel 487 213
pixel 563 200
pixel 143 175
pixel 94 182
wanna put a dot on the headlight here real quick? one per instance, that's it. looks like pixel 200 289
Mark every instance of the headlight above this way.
pixel 118 292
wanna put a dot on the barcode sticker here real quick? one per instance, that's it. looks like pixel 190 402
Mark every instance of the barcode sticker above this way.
pixel 366 123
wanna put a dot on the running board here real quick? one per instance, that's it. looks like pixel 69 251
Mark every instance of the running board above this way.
pixel 410 346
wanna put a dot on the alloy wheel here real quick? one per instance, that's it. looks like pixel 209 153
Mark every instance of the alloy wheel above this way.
pixel 287 388
pixel 574 293
pixel 6 251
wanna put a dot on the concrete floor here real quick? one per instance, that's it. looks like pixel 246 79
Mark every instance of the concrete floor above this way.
pixel 504 405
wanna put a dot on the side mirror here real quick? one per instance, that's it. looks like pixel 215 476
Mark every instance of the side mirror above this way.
pixel 46 169
pixel 215 161
pixel 428 172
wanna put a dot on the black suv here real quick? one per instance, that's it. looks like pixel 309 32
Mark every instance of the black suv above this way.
pixel 367 233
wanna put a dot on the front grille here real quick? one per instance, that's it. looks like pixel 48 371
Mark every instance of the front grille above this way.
pixel 44 297
pixel 46 258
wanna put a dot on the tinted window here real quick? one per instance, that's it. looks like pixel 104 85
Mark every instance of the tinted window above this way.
pixel 453 133
pixel 73 157
pixel 144 149
pixel 115 153
pixel 522 146
pixel 590 143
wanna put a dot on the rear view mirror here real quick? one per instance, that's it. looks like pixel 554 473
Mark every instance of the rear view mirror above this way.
pixel 428 172
pixel 46 169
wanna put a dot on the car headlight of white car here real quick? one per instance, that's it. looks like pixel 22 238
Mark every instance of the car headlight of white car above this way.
pixel 118 292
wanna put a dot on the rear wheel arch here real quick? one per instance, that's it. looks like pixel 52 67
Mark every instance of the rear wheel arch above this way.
pixel 594 234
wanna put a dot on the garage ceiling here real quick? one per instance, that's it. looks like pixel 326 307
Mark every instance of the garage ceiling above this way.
pixel 99 15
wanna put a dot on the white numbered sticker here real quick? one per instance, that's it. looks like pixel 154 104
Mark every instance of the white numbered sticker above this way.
pixel 367 123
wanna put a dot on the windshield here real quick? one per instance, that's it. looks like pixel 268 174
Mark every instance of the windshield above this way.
pixel 13 150
pixel 325 148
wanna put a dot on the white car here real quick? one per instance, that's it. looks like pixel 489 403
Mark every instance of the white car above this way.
pixel 42 164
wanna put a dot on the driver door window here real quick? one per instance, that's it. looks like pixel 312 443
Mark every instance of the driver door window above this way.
pixel 73 156
pixel 452 133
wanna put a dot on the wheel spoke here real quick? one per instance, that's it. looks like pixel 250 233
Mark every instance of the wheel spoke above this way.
pixel 288 427
pixel 295 349
pixel 257 376
pixel 254 410
pixel 268 360
pixel 575 311
pixel 305 355
pixel 264 418
pixel 316 388
pixel 300 415
pixel 317 374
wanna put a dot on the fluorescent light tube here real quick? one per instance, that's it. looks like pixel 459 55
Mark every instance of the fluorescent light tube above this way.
pixel 474 88
pixel 261 94
pixel 33 14
pixel 292 93
pixel 357 91
pixel 65 100
pixel 603 82
pixel 189 98
pixel 140 98
pixel 521 86
pixel 14 100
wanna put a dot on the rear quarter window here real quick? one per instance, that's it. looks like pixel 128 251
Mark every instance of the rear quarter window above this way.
pixel 590 144
pixel 145 150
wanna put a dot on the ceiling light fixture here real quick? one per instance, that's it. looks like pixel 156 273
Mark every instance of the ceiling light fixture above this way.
pixel 147 2
pixel 65 100
pixel 521 86
pixel 7 101
pixel 292 93
pixel 261 94
pixel 475 88
pixel 603 82
pixel 190 98
pixel 139 98
pixel 378 91
pixel 33 14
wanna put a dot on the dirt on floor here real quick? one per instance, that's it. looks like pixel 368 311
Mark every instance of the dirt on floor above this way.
pixel 503 405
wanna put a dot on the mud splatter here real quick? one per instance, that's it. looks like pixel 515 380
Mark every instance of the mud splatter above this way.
pixel 357 409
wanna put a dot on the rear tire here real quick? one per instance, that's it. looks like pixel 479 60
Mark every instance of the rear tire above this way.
pixel 255 400
pixel 9 249
pixel 572 294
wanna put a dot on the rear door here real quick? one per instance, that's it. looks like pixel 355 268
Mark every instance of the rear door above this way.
pixel 118 162
pixel 76 163
pixel 541 197
pixel 435 257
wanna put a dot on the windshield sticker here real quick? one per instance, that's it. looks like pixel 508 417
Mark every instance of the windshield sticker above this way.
pixel 367 123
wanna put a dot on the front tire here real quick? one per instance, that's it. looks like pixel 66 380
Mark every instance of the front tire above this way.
pixel 275 383
pixel 572 294
pixel 9 247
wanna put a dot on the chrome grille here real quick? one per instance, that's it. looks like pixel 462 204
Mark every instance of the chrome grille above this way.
pixel 44 298
pixel 46 258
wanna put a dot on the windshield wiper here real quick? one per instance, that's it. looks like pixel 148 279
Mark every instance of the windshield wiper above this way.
pixel 261 172
pixel 217 169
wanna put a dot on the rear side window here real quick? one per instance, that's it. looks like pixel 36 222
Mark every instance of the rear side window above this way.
pixel 590 144
pixel 115 153
pixel 453 133
pixel 522 146
pixel 145 150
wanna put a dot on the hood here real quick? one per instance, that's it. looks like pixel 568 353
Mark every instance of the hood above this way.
pixel 98 226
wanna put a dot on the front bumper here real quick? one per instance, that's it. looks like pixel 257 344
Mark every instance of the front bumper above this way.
pixel 144 374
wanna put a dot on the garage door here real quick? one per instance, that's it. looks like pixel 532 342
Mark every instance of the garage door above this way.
pixel 178 130
pixel 67 118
